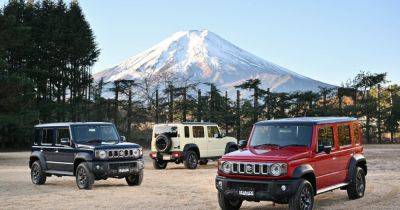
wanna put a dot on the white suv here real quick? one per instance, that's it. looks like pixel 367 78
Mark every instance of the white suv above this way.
pixel 190 142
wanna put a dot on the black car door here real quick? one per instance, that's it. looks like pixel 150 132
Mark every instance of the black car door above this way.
pixel 63 155
pixel 47 147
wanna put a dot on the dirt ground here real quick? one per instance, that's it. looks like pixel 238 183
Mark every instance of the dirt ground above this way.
pixel 178 188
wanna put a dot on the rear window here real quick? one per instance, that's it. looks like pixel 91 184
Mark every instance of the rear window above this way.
pixel 172 131
pixel 187 132
pixel 325 136
pixel 47 136
pixel 344 135
pixel 198 132
pixel 356 129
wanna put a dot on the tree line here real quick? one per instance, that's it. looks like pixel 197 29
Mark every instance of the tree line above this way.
pixel 47 50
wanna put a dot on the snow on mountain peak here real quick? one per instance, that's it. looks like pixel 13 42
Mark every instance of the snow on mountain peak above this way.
pixel 203 56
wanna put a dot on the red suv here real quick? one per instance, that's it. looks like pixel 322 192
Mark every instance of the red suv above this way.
pixel 292 160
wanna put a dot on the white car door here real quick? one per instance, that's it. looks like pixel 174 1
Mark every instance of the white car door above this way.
pixel 198 132
pixel 216 145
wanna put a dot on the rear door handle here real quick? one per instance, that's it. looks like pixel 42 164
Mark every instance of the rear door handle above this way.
pixel 334 158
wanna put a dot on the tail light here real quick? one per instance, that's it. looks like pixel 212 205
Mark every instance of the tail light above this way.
pixel 153 155
pixel 176 154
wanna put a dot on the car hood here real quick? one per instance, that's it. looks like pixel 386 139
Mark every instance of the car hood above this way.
pixel 121 145
pixel 268 154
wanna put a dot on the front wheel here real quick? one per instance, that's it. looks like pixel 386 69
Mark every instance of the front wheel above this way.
pixel 37 174
pixel 191 160
pixel 135 179
pixel 303 199
pixel 159 164
pixel 84 177
pixel 356 188
pixel 227 204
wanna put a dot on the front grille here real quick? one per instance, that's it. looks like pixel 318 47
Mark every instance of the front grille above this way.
pixel 115 166
pixel 250 168
pixel 118 153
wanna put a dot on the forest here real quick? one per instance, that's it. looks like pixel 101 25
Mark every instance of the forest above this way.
pixel 48 49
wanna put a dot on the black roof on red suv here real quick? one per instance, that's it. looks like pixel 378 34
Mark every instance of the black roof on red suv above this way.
pixel 308 120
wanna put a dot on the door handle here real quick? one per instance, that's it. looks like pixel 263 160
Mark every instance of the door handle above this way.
pixel 334 158
pixel 56 151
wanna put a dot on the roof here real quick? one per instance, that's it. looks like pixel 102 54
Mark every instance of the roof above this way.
pixel 188 123
pixel 66 124
pixel 308 120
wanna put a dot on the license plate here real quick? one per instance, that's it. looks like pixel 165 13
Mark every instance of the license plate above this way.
pixel 166 157
pixel 246 193
pixel 123 170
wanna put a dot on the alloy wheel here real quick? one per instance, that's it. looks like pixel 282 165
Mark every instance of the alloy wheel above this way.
pixel 305 198
pixel 35 172
pixel 82 177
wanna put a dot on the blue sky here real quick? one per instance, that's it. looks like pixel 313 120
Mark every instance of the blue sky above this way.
pixel 329 41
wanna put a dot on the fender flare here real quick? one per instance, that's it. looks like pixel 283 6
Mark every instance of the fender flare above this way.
pixel 230 144
pixel 40 156
pixel 301 170
pixel 357 159
pixel 190 147
pixel 83 157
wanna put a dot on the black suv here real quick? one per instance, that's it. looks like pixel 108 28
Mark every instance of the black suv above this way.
pixel 87 150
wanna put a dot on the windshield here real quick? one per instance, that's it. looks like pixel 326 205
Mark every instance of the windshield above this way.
pixel 95 134
pixel 281 135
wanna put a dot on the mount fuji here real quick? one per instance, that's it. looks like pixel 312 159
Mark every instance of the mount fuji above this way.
pixel 204 57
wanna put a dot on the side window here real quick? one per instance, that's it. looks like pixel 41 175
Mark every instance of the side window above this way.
pixel 344 135
pixel 356 129
pixel 62 133
pixel 47 136
pixel 187 135
pixel 37 138
pixel 325 136
pixel 198 131
pixel 212 130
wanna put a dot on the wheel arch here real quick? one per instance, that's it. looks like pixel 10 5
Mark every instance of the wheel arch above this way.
pixel 36 155
pixel 191 147
pixel 229 145
pixel 357 160
pixel 306 172
pixel 81 157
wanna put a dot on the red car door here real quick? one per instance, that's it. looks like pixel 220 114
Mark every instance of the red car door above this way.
pixel 346 150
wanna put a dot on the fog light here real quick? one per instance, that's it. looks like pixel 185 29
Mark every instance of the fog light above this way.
pixel 97 167
pixel 283 187
pixel 219 184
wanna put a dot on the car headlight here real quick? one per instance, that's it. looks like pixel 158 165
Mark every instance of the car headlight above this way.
pixel 136 152
pixel 101 154
pixel 278 169
pixel 226 167
pixel 140 152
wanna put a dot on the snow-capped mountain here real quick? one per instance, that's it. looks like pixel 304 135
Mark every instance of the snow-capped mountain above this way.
pixel 202 56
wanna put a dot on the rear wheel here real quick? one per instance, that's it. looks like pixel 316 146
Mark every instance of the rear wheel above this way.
pixel 38 176
pixel 135 179
pixel 227 204
pixel 84 177
pixel 191 160
pixel 303 199
pixel 356 188
pixel 159 164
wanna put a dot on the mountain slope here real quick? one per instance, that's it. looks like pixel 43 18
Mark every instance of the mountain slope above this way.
pixel 202 56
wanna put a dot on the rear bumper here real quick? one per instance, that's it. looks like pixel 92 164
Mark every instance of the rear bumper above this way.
pixel 104 169
pixel 170 156
pixel 268 190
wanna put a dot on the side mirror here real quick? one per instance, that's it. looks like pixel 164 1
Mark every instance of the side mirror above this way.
pixel 324 148
pixel 64 141
pixel 217 135
pixel 123 138
pixel 223 134
pixel 242 144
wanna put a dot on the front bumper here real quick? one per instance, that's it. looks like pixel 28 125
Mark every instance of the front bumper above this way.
pixel 266 190
pixel 104 169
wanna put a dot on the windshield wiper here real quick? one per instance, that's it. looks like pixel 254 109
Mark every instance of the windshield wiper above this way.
pixel 294 145
pixel 92 140
pixel 275 145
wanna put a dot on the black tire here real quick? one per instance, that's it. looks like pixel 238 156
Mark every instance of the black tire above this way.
pixel 203 162
pixel 163 143
pixel 159 164
pixel 231 149
pixel 356 188
pixel 38 176
pixel 135 179
pixel 84 177
pixel 191 160
pixel 227 204
pixel 303 199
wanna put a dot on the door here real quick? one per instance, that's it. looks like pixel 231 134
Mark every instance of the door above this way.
pixel 200 140
pixel 47 147
pixel 215 143
pixel 326 164
pixel 345 152
pixel 63 156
